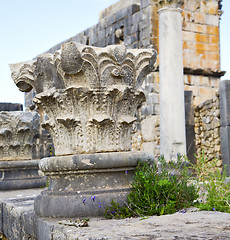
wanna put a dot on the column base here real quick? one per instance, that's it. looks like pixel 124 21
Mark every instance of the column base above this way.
pixel 16 175
pixel 84 185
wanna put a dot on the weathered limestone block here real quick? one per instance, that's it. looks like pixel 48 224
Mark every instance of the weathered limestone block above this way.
pixel 17 168
pixel 89 94
pixel 148 147
pixel 16 134
pixel 148 128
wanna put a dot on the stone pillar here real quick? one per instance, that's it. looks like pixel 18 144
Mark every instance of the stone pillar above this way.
pixel 90 96
pixel 172 113
pixel 225 123
pixel 17 168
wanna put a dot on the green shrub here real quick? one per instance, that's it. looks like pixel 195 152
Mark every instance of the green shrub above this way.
pixel 171 187
pixel 157 190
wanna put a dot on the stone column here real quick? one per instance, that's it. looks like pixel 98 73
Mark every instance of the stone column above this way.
pixel 225 123
pixel 90 96
pixel 18 169
pixel 172 113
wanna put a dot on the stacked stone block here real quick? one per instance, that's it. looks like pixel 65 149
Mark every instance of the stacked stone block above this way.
pixel 203 87
pixel 150 128
pixel 201 34
pixel 151 89
pixel 201 48
pixel 207 129
pixel 131 25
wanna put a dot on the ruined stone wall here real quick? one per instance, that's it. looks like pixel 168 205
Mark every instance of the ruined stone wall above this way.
pixel 136 25
pixel 207 129
pixel 201 46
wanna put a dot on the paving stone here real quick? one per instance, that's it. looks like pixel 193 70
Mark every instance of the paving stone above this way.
pixel 20 222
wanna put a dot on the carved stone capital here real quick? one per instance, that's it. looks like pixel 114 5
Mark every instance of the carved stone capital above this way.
pixel 89 94
pixel 17 131
pixel 170 3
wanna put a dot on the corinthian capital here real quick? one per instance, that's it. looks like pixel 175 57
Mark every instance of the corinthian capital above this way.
pixel 17 131
pixel 89 94
pixel 170 3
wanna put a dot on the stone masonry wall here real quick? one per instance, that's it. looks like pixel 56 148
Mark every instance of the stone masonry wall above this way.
pixel 201 34
pixel 207 129
pixel 135 24
pixel 201 46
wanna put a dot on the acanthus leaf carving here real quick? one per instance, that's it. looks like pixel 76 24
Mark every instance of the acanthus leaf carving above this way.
pixel 90 95
pixel 171 3
pixel 17 133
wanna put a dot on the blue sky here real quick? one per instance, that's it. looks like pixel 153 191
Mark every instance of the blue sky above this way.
pixel 30 27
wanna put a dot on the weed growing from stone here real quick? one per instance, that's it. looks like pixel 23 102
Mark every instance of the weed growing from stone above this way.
pixel 213 185
pixel 157 190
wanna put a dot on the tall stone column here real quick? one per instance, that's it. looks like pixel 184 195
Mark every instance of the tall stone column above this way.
pixel 90 96
pixel 172 112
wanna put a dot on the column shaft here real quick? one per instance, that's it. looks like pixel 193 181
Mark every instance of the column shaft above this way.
pixel 172 112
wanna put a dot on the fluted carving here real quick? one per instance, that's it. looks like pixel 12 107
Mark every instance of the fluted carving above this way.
pixel 170 3
pixel 89 94
pixel 17 130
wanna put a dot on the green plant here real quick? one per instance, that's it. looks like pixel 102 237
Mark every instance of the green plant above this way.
pixel 213 184
pixel 157 190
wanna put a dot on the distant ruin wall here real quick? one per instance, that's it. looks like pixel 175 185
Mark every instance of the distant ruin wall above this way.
pixel 207 129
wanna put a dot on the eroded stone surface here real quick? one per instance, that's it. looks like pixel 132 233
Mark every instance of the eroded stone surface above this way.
pixel 89 94
pixel 16 134
pixel 19 221
pixel 84 185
